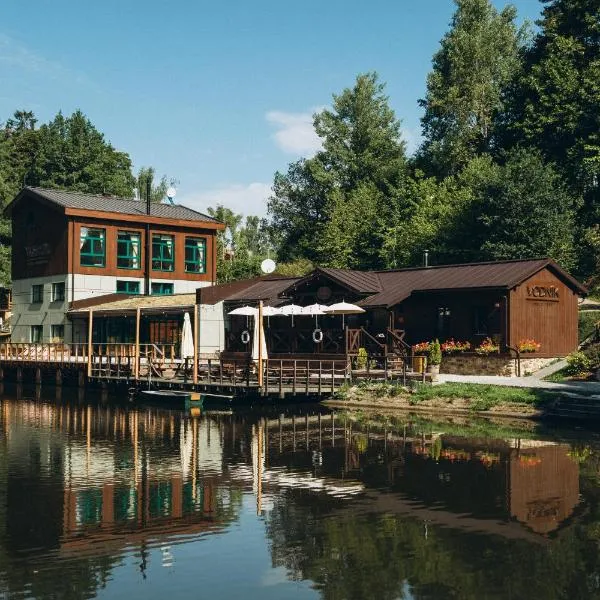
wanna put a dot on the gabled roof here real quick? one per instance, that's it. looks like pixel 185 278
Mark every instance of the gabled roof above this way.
pixel 399 284
pixel 267 288
pixel 69 201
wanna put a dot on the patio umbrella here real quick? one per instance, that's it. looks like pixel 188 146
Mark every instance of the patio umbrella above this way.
pixel 291 310
pixel 271 311
pixel 246 311
pixel 187 338
pixel 314 310
pixel 343 308
pixel 255 341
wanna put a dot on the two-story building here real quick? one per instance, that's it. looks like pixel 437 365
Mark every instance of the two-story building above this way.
pixel 70 246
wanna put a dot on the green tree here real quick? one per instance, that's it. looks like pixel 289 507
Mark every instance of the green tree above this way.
pixel 158 191
pixel 355 183
pixel 477 59
pixel 555 104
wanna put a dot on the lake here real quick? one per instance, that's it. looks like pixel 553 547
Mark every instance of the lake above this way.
pixel 101 499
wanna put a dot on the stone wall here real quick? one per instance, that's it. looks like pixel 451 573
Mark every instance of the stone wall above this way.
pixel 493 364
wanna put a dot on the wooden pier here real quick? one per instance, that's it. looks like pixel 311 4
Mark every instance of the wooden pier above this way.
pixel 151 365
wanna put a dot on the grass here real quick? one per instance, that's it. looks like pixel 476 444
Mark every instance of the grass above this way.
pixel 558 376
pixel 482 397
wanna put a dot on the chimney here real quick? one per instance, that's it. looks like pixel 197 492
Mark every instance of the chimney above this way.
pixel 425 258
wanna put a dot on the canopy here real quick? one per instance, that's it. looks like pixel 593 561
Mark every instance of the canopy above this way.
pixel 187 338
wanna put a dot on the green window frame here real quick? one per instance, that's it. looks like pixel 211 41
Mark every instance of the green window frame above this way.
pixel 195 255
pixel 92 247
pixel 129 244
pixel 163 252
pixel 37 293
pixel 128 287
pixel 159 288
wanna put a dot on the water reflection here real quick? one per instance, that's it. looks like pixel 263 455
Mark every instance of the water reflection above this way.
pixel 97 495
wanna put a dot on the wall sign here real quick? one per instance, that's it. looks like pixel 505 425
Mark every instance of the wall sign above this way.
pixel 543 292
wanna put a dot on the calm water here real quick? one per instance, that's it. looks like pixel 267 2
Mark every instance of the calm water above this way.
pixel 103 501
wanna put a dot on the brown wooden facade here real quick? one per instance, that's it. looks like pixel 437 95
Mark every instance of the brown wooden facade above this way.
pixel 46 241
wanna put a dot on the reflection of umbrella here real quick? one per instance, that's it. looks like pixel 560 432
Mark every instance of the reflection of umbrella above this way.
pixel 343 308
pixel 291 310
pixel 187 338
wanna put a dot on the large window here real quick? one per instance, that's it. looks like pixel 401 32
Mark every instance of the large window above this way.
pixel 58 291
pixel 161 289
pixel 36 334
pixel 57 333
pixel 128 287
pixel 163 252
pixel 128 250
pixel 195 255
pixel 37 294
pixel 92 247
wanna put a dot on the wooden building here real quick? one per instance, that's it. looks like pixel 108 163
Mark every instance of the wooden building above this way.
pixel 70 246
pixel 506 301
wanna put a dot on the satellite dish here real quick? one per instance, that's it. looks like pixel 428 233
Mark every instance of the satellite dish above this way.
pixel 267 266
pixel 171 193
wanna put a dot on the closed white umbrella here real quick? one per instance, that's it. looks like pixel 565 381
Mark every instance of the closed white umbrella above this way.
pixel 255 341
pixel 343 308
pixel 187 338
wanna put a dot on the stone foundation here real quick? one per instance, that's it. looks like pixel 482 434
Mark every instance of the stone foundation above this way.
pixel 494 364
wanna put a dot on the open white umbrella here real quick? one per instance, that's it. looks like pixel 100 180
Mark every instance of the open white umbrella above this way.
pixel 271 311
pixel 247 311
pixel 291 310
pixel 343 308
pixel 187 338
pixel 314 310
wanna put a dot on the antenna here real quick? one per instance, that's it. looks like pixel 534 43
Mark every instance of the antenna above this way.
pixel 171 193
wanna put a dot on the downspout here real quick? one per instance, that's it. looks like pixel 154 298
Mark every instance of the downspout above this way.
pixel 147 242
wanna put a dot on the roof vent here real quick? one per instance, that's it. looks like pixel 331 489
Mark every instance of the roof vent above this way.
pixel 425 258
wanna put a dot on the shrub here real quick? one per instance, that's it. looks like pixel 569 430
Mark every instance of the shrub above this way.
pixel 361 359
pixel 578 364
pixel 593 354
pixel 435 353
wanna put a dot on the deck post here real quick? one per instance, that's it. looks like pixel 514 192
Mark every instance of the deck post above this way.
pixel 136 354
pixel 196 343
pixel 261 334
pixel 89 340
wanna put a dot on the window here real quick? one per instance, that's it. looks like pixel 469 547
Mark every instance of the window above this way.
pixel 161 289
pixel 37 294
pixel 163 257
pixel 57 333
pixel 443 321
pixel 36 334
pixel 58 291
pixel 128 287
pixel 195 255
pixel 128 250
pixel 92 247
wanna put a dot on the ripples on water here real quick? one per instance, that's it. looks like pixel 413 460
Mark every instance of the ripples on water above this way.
pixel 99 499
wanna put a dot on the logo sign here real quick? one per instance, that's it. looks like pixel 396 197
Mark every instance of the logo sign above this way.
pixel 543 292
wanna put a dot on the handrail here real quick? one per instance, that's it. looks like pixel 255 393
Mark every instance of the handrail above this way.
pixel 518 353
pixel 373 338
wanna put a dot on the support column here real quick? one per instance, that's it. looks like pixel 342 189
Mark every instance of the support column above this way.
pixel 80 378
pixel 89 345
pixel 19 374
pixel 261 334
pixel 59 377
pixel 136 368
pixel 38 375
pixel 196 343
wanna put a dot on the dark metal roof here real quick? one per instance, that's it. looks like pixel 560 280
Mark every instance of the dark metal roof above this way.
pixel 398 285
pixel 360 281
pixel 266 288
pixel 112 204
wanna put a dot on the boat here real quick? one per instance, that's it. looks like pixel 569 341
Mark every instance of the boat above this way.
pixel 179 398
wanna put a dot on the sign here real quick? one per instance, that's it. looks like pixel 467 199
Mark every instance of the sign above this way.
pixel 543 291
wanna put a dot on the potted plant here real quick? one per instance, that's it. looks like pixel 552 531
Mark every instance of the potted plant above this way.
pixel 420 351
pixel 435 359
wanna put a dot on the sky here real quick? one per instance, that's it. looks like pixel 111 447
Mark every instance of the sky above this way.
pixel 217 95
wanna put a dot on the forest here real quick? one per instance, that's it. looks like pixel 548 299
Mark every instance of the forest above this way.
pixel 508 167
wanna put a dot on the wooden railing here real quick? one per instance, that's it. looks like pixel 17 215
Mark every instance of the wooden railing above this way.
pixel 43 353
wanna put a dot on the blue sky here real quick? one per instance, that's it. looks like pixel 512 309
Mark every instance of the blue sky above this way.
pixel 218 95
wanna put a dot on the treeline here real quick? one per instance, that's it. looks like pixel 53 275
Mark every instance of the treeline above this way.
pixel 509 166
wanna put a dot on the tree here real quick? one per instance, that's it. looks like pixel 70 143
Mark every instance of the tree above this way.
pixel 525 211
pixel 355 183
pixel 73 155
pixel 555 103
pixel 477 59
pixel 158 191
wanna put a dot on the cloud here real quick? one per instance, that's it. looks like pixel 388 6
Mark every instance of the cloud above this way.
pixel 250 199
pixel 295 132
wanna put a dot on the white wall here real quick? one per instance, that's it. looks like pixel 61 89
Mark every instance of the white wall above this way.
pixel 212 329
pixel 47 313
